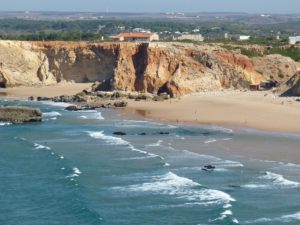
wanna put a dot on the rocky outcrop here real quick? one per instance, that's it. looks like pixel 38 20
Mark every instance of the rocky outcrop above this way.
pixel 292 86
pixel 172 68
pixel 275 67
pixel 19 115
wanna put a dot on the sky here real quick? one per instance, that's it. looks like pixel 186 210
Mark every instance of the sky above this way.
pixel 250 6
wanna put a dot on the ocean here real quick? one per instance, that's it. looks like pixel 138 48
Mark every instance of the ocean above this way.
pixel 71 169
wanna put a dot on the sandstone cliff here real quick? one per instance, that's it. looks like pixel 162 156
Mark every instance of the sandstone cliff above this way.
pixel 174 68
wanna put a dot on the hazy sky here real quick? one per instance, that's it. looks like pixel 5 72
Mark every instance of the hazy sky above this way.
pixel 256 6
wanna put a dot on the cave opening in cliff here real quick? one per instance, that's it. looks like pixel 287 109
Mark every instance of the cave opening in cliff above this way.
pixel 2 85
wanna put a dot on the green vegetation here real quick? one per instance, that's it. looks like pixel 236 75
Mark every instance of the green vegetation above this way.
pixel 269 40
pixel 212 30
pixel 58 36
pixel 293 53
pixel 250 53
pixel 280 74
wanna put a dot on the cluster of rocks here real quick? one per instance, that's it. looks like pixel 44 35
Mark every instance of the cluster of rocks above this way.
pixel 121 133
pixel 209 168
pixel 113 95
pixel 18 115
pixel 96 105
pixel 91 99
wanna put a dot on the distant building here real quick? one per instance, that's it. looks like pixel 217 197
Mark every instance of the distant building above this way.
pixel 294 40
pixel 140 30
pixel 191 37
pixel 136 36
pixel 226 35
pixel 244 38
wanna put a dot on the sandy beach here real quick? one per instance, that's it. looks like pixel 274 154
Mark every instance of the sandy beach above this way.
pixel 259 110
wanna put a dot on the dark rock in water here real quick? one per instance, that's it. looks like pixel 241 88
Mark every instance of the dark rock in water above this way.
pixel 17 115
pixel 234 186
pixel 119 133
pixel 79 108
pixel 121 104
pixel 143 134
pixel 31 98
pixel 43 99
pixel 64 98
pixel 208 168
pixel 164 133
pixel 73 108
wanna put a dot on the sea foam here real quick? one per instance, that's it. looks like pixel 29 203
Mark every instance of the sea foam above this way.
pixel 38 146
pixel 57 104
pixel 92 115
pixel 51 114
pixel 281 219
pixel 108 139
pixel 4 124
pixel 182 188
pixel 277 181
pixel 76 173
pixel 157 144
pixel 119 141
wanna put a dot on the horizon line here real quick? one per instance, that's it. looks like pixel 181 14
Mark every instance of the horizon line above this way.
pixel 134 12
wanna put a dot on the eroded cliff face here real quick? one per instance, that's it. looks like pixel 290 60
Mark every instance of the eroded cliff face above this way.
pixel 174 68
pixel 292 86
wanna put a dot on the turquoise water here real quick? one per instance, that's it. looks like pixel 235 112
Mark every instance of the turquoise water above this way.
pixel 71 169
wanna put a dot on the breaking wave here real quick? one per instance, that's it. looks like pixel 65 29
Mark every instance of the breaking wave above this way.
pixel 76 173
pixel 277 181
pixel 51 114
pixel 181 187
pixel 282 219
pixel 157 144
pixel 4 124
pixel 57 104
pixel 92 115
pixel 108 139
pixel 119 141
pixel 39 146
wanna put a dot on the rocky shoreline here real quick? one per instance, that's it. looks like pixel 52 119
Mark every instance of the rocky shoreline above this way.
pixel 18 115
pixel 92 99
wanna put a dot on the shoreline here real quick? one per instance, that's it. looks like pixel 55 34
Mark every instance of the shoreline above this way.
pixel 169 111
pixel 235 109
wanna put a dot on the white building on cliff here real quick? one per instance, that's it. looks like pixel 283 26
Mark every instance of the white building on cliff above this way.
pixel 294 40
pixel 191 37
pixel 136 36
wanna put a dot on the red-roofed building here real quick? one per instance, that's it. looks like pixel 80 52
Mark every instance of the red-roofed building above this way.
pixel 136 36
